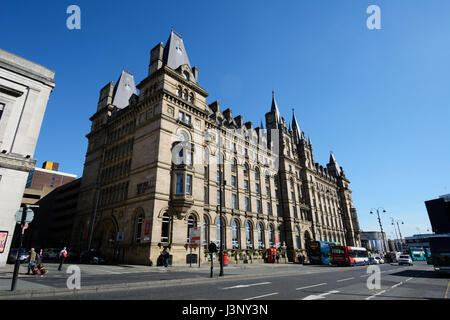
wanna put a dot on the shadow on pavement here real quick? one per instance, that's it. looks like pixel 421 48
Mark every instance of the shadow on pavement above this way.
pixel 421 274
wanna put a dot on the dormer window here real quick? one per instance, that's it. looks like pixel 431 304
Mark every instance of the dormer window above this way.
pixel 186 75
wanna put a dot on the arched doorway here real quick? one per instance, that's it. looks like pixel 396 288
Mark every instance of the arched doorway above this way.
pixel 104 239
pixel 307 239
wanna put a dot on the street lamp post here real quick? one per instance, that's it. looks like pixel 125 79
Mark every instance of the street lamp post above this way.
pixel 381 226
pixel 221 183
pixel 401 239
pixel 93 219
pixel 396 235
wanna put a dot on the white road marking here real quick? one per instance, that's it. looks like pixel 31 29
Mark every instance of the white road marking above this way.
pixel 365 275
pixel 265 295
pixel 246 285
pixel 392 287
pixel 316 285
pixel 111 272
pixel 345 279
pixel 381 292
pixel 320 296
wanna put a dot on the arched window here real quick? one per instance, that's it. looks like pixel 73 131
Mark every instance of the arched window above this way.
pixel 248 235
pixel 206 156
pixel 179 91
pixel 205 231
pixel 271 237
pixel 192 223
pixel 279 234
pixel 235 234
pixel 233 165
pixel 191 97
pixel 138 229
pixel 297 238
pixel 218 235
pixel 260 236
pixel 184 96
pixel 257 174
pixel 184 136
pixel 245 169
pixel 165 228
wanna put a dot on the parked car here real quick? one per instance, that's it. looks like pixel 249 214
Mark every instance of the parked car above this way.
pixel 405 259
pixel 50 254
pixel 380 260
pixel 91 257
pixel 24 255
pixel 72 256
pixel 372 260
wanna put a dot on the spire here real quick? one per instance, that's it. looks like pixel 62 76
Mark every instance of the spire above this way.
pixel 295 128
pixel 333 164
pixel 274 108
pixel 124 89
pixel 262 126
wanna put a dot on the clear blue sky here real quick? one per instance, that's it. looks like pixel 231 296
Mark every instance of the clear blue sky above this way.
pixel 378 98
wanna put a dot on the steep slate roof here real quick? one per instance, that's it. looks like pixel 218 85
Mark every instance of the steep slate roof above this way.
pixel 296 129
pixel 274 107
pixel 334 163
pixel 123 89
pixel 175 54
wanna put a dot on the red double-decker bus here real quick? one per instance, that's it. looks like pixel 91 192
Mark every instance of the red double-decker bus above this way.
pixel 348 256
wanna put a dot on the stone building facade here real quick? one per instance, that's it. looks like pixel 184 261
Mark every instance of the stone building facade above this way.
pixel 152 171
pixel 25 88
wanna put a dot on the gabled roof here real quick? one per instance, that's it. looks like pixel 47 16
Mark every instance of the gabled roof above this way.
pixel 123 89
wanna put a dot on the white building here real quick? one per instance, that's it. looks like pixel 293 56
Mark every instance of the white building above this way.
pixel 375 239
pixel 24 91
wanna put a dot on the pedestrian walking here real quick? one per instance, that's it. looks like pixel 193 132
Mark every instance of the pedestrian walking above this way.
pixel 166 257
pixel 32 261
pixel 39 266
pixel 40 257
pixel 300 258
pixel 62 256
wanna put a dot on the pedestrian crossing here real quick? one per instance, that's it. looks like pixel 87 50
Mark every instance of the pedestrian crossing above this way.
pixel 96 270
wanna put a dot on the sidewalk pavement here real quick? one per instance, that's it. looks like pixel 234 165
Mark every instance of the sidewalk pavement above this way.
pixel 28 289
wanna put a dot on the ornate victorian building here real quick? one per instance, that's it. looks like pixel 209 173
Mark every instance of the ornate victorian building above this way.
pixel 152 172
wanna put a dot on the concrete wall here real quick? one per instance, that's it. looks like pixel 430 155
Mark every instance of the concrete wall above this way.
pixel 24 91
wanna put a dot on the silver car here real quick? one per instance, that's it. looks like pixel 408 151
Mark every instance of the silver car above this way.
pixel 405 259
